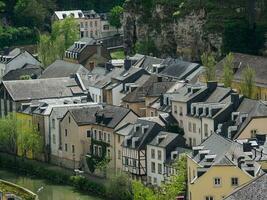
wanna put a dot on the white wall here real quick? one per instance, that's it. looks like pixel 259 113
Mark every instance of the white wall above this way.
pixel 96 94
pixel 117 95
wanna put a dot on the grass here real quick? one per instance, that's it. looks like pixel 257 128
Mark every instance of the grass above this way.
pixel 119 54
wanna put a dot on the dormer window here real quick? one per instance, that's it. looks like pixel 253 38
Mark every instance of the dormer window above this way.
pixel 64 16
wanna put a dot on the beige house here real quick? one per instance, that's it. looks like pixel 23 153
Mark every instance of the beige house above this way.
pixel 84 131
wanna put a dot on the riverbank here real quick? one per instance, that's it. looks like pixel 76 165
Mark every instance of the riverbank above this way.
pixel 53 174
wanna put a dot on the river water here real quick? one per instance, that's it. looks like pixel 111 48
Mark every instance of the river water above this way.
pixel 47 191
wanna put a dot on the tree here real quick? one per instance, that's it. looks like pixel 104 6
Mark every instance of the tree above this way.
pixel 115 17
pixel 228 73
pixel 142 192
pixel 51 47
pixel 177 185
pixel 209 63
pixel 119 187
pixel 2 6
pixel 248 82
pixel 29 13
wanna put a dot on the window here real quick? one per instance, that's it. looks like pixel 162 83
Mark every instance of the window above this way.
pixel 108 137
pixel 190 142
pixel 91 24
pixel 234 181
pixel 106 27
pixel 181 110
pixel 217 181
pixel 95 150
pixel 126 161
pixel 153 167
pixel 181 124
pixel 81 24
pixel 66 132
pixel 95 23
pixel 99 151
pixel 86 24
pixel 95 134
pixel 72 149
pixel 175 109
pixel 159 155
pixel 119 154
pixel 100 135
pixel 206 130
pixel 209 198
pixel 108 153
pixel 66 147
pixel 152 153
pixel 69 119
pixel 159 168
pixel 127 105
pixel 38 127
pixel 253 133
pixel 88 133
pixel 155 180
pixel 53 123
pixel 190 126
pixel 119 139
pixel 152 114
pixel 194 128
pixel 54 139
pixel 105 136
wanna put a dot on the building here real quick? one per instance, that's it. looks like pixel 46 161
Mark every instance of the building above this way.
pixel 14 93
pixel 160 151
pixel 218 166
pixel 88 133
pixel 16 59
pixel 254 189
pixel 87 52
pixel 90 23
pixel 141 97
pixel 62 68
pixel 134 152
pixel 247 121
pixel 240 62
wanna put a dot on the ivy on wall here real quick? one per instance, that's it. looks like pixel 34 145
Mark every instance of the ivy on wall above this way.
pixel 96 161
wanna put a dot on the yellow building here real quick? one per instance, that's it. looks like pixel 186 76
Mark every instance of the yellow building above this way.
pixel 240 62
pixel 217 167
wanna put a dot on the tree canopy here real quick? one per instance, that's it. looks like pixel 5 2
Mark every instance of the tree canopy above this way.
pixel 115 16
pixel 248 82
pixel 209 63
pixel 228 73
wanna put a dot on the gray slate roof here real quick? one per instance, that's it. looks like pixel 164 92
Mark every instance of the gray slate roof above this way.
pixel 29 70
pixel 256 189
pixel 27 90
pixel 169 137
pixel 85 116
pixel 61 68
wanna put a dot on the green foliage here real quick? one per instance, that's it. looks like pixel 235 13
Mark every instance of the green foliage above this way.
pixel 14 135
pixel 25 77
pixel 119 187
pixel 175 128
pixel 95 161
pixel 52 47
pixel 209 63
pixel 117 54
pixel 142 192
pixel 248 82
pixel 10 36
pixel 228 70
pixel 115 16
pixel 2 6
pixel 146 47
pixel 177 185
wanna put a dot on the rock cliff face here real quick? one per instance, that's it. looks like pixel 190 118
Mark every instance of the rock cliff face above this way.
pixel 181 37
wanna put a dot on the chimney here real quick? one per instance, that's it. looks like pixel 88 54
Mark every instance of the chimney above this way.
pixel 127 63
pixel 235 100
pixel 161 98
pixel 99 50
pixel 212 85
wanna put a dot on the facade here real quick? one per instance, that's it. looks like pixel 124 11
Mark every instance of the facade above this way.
pixel 84 130
pixel 16 59
pixel 160 152
pixel 134 152
pixel 241 61
pixel 217 167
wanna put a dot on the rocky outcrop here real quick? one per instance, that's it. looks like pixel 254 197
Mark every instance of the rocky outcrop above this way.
pixel 181 37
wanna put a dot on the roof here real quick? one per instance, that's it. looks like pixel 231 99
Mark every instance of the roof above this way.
pixel 143 136
pixel 150 88
pixel 27 90
pixel 254 189
pixel 111 115
pixel 75 13
pixel 148 62
pixel 61 68
pixel 28 70
pixel 241 61
pixel 178 69
pixel 168 137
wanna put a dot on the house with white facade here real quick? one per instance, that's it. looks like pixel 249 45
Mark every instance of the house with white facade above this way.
pixel 161 151
pixel 134 150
